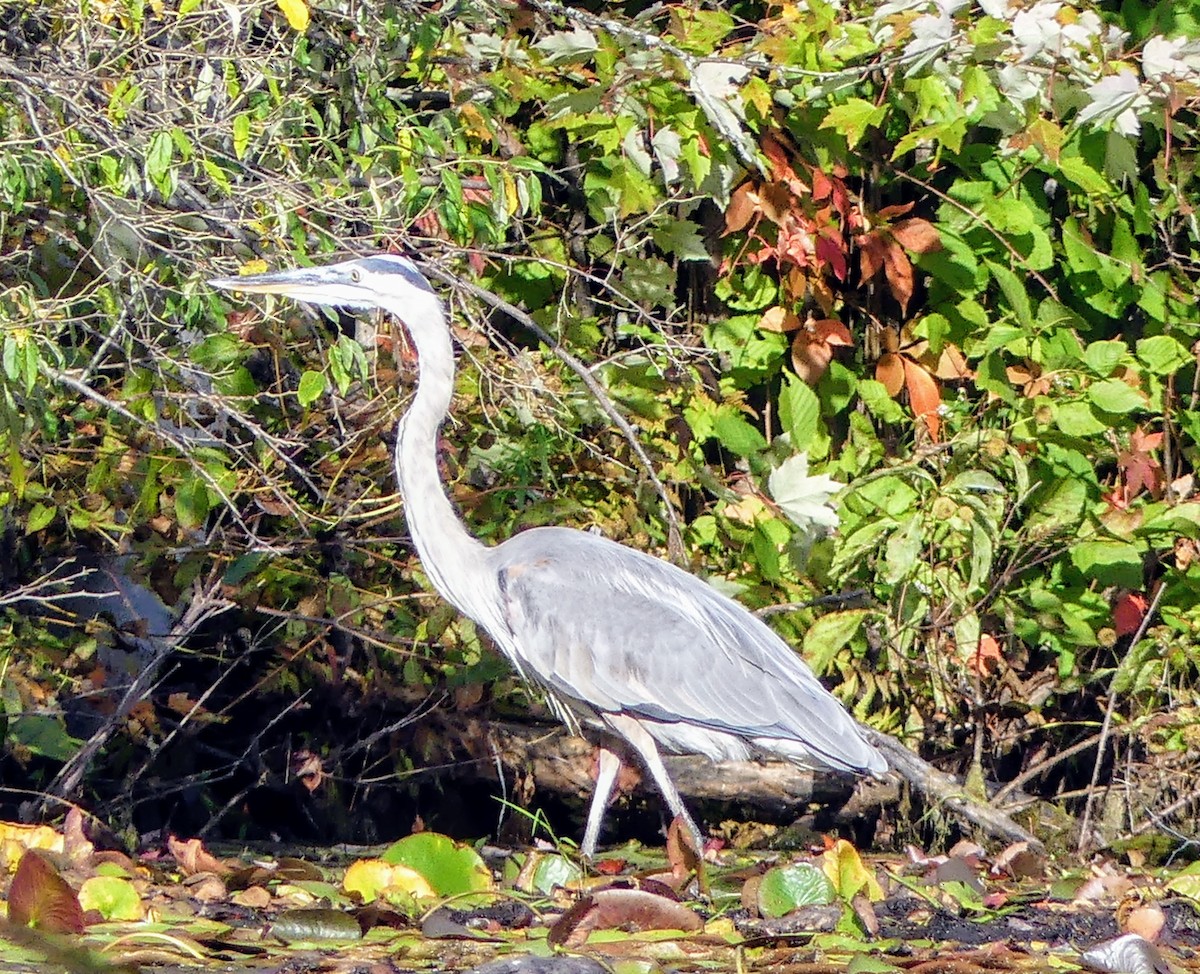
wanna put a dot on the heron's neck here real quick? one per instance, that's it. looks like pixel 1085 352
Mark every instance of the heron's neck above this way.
pixel 450 556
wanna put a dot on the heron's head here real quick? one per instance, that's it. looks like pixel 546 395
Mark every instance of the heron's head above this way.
pixel 385 280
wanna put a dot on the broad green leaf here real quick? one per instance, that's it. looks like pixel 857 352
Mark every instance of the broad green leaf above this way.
pixel 1103 357
pixel 450 867
pixel 1115 396
pixel 114 898
pixel 1077 419
pixel 1162 354
pixel 785 889
pixel 312 387
pixel 1110 563
pixel 40 516
pixel 736 434
pixel 241 135
pixel 800 413
pixel 320 925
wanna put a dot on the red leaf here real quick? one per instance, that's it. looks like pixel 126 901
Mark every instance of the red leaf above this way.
pixel 1129 612
pixel 39 897
pixel 832 332
pixel 919 236
pixel 832 251
pixel 898 210
pixel 899 272
pixel 870 254
pixel 924 396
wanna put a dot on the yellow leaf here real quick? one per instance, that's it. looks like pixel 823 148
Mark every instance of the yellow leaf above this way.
pixel 844 868
pixel 296 12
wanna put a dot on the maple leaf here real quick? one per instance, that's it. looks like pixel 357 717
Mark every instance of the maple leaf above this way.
pixel 1140 470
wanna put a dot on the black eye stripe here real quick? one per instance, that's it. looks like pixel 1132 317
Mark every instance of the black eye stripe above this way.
pixel 394 264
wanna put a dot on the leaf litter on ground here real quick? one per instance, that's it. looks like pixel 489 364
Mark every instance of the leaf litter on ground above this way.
pixel 185 905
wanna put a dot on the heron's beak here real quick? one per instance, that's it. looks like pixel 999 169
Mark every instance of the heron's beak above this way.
pixel 330 285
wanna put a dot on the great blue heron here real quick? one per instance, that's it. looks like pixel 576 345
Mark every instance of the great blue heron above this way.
pixel 620 640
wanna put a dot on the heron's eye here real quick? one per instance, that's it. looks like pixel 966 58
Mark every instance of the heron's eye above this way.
pixel 356 275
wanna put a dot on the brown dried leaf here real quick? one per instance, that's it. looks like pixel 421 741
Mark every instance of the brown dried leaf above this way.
pixel 810 358
pixel 193 858
pixel 919 236
pixel 898 210
pixel 40 898
pixel 626 909
pixel 743 207
pixel 871 247
pixel 779 320
pixel 899 272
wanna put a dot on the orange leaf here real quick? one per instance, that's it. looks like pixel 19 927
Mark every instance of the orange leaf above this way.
pixel 924 396
pixel 743 207
pixel 39 897
pixel 987 653
pixel 890 371
pixel 898 210
pixel 822 185
pixel 899 272
pixel 831 332
pixel 919 236
pixel 810 358
pixel 779 320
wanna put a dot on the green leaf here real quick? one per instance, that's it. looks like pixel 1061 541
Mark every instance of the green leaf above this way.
pixel 681 238
pixel 787 888
pixel 1077 419
pixel 39 517
pixel 450 868
pixel 1014 292
pixel 853 118
pixel 1115 396
pixel 113 897
pixel 158 157
pixel 191 503
pixel 1083 175
pixel 315 925
pixel 1103 357
pixel 827 636
pixel 44 736
pixel 1110 563
pixel 241 135
pixel 736 434
pixel 312 388
pixel 800 413
pixel 1162 354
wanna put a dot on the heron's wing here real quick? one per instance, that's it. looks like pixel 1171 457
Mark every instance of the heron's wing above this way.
pixel 628 633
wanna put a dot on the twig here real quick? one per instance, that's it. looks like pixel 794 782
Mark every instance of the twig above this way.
pixel 674 536
pixel 1106 726
pixel 1041 768
pixel 942 788
pixel 203 605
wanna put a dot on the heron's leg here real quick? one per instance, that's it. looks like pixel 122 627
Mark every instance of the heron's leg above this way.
pixel 606 779
pixel 633 731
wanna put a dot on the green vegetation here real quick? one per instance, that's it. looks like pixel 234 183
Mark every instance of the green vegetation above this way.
pixel 946 251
